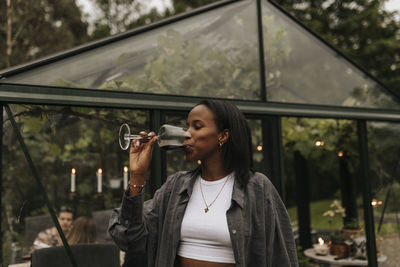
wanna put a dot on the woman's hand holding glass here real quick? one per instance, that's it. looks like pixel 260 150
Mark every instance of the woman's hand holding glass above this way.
pixel 169 137
pixel 139 161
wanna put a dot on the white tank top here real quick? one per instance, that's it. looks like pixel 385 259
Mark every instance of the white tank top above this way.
pixel 205 235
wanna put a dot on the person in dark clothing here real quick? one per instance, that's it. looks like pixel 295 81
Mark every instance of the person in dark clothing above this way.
pixel 222 214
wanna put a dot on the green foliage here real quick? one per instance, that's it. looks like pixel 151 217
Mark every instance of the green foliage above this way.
pixel 383 145
pixel 361 29
pixel 121 15
pixel 337 237
pixel 191 67
pixel 219 63
pixel 301 134
pixel 39 28
pixel 303 260
pixel 186 5
pixel 318 221
pixel 115 16
pixel 59 139
pixel 352 224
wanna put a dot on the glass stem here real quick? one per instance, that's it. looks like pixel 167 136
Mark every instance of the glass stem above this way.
pixel 132 137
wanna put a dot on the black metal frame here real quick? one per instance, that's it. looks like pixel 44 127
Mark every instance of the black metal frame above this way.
pixel 34 94
pixel 1 180
pixel 367 196
pixel 263 83
pixel 158 104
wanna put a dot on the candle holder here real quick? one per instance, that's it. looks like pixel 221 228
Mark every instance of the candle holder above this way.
pixel 321 248
pixel 115 183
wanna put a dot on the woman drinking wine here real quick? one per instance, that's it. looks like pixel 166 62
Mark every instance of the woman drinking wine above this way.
pixel 221 214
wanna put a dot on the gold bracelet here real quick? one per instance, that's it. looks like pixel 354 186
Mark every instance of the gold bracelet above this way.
pixel 136 186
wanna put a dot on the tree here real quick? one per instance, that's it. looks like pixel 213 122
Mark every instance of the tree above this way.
pixel 121 15
pixel 37 28
pixel 115 16
pixel 185 5
pixel 361 29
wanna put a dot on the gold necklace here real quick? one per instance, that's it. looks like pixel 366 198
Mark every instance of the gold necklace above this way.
pixel 207 208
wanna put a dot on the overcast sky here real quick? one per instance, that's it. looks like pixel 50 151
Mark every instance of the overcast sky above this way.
pixel 393 5
pixel 161 5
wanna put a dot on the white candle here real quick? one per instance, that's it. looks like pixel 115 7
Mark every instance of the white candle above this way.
pixel 73 175
pixel 125 177
pixel 99 175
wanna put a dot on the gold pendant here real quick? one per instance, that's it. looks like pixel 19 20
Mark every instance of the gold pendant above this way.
pixel 206 209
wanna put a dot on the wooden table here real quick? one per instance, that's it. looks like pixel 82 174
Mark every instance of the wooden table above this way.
pixel 329 260
pixel 24 264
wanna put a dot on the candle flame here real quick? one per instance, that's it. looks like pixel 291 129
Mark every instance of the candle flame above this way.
pixel 125 169
pixel 73 171
pixel 259 148
pixel 320 241
pixel 100 171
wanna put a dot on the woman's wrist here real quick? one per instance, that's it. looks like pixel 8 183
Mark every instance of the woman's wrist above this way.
pixel 137 175
pixel 136 185
pixel 135 189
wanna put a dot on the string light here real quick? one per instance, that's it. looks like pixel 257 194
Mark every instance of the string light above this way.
pixel 319 143
pixel 375 203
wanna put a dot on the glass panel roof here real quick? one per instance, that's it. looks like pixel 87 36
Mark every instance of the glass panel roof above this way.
pixel 211 54
pixel 302 69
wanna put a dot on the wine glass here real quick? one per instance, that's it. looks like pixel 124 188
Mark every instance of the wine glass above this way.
pixel 169 137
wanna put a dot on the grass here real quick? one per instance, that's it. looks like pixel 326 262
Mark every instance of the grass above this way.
pixel 320 222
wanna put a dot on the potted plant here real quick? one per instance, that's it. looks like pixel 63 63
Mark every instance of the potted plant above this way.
pixel 351 228
pixel 338 244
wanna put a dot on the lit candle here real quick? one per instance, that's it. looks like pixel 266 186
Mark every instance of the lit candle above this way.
pixel 321 248
pixel 125 177
pixel 99 175
pixel 73 175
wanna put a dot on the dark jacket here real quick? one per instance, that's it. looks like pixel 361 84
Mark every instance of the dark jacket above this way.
pixel 258 223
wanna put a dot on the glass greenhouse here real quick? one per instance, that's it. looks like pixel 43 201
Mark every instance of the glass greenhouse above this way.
pixel 323 129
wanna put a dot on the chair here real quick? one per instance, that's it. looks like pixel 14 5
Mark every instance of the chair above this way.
pixel 101 219
pixel 86 255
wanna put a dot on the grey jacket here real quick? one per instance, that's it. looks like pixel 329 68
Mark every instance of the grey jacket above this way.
pixel 258 223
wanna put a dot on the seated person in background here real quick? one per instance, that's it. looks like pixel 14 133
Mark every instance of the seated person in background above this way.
pixel 50 236
pixel 83 231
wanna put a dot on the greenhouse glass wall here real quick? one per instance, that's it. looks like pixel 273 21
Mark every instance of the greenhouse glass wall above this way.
pixel 323 130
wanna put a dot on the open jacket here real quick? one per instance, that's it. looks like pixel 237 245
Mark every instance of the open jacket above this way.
pixel 258 223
